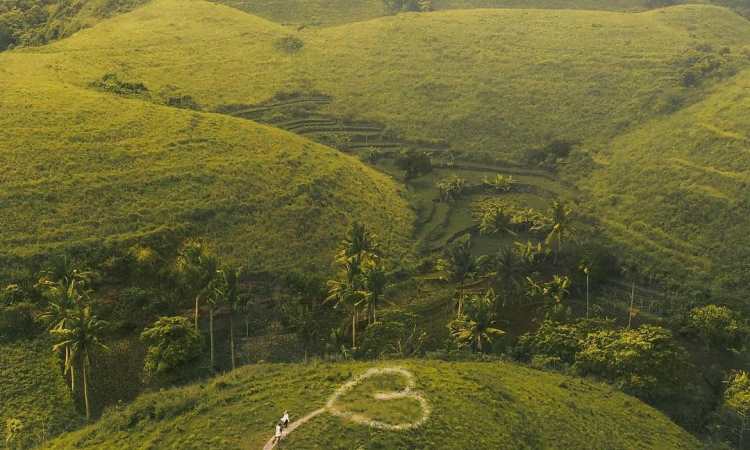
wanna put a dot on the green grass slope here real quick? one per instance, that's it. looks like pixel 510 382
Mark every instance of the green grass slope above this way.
pixel 33 392
pixel 494 81
pixel 84 166
pixel 694 169
pixel 472 405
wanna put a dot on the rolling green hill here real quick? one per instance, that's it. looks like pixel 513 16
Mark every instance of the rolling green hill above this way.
pixel 487 85
pixel 477 405
pixel 85 166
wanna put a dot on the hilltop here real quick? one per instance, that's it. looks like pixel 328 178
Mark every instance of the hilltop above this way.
pixel 486 86
pixel 490 405
pixel 86 166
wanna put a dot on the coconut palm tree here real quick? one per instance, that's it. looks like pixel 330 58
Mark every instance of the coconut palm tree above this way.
pixel 495 221
pixel 561 216
pixel 375 280
pixel 197 269
pixel 63 297
pixel 509 272
pixel 359 243
pixel 82 336
pixel 348 291
pixel 460 265
pixel 477 325
pixel 226 292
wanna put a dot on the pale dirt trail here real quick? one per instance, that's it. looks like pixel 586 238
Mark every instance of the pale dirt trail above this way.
pixel 332 408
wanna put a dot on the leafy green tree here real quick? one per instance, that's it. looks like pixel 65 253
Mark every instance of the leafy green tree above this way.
pixel 737 403
pixel 562 227
pixel 360 244
pixel 172 343
pixel 718 326
pixel 460 264
pixel 414 164
pixel 82 336
pixel 197 269
pixel 451 189
pixel 476 327
pixel 644 361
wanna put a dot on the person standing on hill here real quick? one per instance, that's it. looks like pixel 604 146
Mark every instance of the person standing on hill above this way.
pixel 285 420
pixel 277 435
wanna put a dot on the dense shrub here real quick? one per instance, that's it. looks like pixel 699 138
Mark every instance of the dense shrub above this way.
pixel 395 334
pixel 111 83
pixel 414 164
pixel 289 44
pixel 717 326
pixel 172 343
pixel 646 361
pixel 558 340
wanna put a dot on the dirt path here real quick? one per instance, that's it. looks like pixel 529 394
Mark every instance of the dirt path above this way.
pixel 293 426
pixel 332 406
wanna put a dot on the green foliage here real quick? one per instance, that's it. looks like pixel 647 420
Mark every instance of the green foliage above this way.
pixel 289 44
pixel 501 183
pixel 558 340
pixel 395 334
pixel 414 164
pixel 476 326
pixel 451 189
pixel 717 326
pixel 172 343
pixel 111 83
pixel 645 361
pixel 524 408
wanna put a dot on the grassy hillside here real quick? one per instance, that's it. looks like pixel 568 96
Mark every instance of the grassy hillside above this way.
pixel 489 405
pixel 86 166
pixel 34 392
pixel 486 85
pixel 694 169
pixel 336 12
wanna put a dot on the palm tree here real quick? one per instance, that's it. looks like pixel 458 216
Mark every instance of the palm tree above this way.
pixel 561 216
pixel 495 221
pixel 585 267
pixel 509 272
pixel 359 243
pixel 197 268
pixel 477 326
pixel 460 265
pixel 82 337
pixel 227 293
pixel 375 281
pixel 348 291
pixel 63 297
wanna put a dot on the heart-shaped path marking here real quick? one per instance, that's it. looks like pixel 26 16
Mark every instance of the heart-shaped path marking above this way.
pixel 332 407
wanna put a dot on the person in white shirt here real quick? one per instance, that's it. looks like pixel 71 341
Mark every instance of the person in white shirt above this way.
pixel 277 436
pixel 285 419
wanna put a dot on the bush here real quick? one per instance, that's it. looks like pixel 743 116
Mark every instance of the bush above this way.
pixel 558 340
pixel 172 343
pixel 289 44
pixel 111 83
pixel 395 334
pixel 646 361
pixel 414 164
pixel 718 326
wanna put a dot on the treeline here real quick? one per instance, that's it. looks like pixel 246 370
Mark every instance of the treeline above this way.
pixel 37 22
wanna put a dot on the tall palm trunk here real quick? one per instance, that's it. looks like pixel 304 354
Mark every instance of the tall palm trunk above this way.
pixel 86 387
pixel 197 300
pixel 231 340
pixel 211 334
pixel 587 295
pixel 354 328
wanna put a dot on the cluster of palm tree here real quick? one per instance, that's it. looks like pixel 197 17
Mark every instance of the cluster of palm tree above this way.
pixel 77 331
pixel 362 277
pixel 476 326
pixel 206 280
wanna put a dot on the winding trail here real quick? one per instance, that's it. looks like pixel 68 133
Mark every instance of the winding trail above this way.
pixel 336 410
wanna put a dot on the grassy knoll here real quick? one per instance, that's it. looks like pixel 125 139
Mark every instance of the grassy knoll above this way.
pixel 512 406
pixel 699 160
pixel 416 75
pixel 84 166
pixel 33 391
